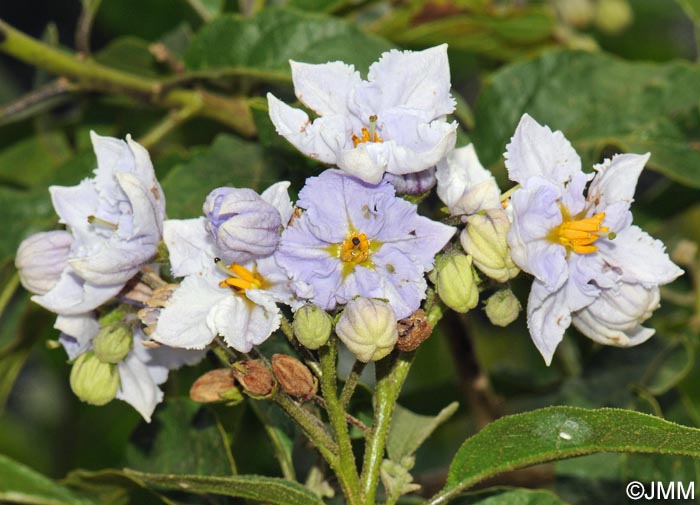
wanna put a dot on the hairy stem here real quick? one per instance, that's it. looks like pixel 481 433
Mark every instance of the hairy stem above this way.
pixel 92 76
pixel 391 375
pixel 347 469
pixel 351 383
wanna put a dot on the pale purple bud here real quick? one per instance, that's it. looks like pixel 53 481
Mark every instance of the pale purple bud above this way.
pixel 243 225
pixel 368 328
pixel 413 184
pixel 41 259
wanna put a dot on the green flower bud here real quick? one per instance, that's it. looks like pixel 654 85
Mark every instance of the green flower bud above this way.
pixel 93 381
pixel 502 307
pixel 613 16
pixel 484 239
pixel 312 326
pixel 456 282
pixel 368 328
pixel 113 342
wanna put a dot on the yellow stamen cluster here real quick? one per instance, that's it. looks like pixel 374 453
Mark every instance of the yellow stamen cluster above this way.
pixel 579 235
pixel 355 248
pixel 368 135
pixel 240 277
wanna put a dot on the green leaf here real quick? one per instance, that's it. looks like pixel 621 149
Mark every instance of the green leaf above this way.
pixel 409 430
pixel 184 438
pixel 267 42
pixel 129 54
pixel 692 9
pixel 34 159
pixel 24 213
pixel 21 484
pixel 228 162
pixel 511 497
pixel 252 487
pixel 555 433
pixel 598 101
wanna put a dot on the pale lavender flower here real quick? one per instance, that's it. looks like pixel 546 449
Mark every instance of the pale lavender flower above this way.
pixel 115 220
pixel 356 238
pixel 590 263
pixel 413 184
pixel 42 258
pixel 237 301
pixel 244 224
pixel 392 122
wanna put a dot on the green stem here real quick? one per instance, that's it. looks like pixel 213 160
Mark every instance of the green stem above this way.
pixel 92 76
pixel 347 469
pixel 312 427
pixel 351 383
pixel 390 379
pixel 174 119
pixel 7 291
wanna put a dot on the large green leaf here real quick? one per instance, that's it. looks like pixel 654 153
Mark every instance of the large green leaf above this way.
pixel 267 42
pixel 34 159
pixel 184 438
pixel 252 487
pixel 512 497
pixel 409 430
pixel 21 484
pixel 598 101
pixel 555 433
pixel 229 161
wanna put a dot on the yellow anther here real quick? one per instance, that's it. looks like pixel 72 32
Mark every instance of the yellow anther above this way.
pixel 579 235
pixel 240 278
pixel 355 248
pixel 368 135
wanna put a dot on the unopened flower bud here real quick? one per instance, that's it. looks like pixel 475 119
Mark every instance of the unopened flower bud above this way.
pixel 294 376
pixel 456 282
pixel 41 258
pixel 213 386
pixel 414 184
pixel 113 342
pixel 243 224
pixel 413 330
pixel 613 16
pixel 368 328
pixel 484 238
pixel 312 326
pixel 255 378
pixel 502 307
pixel 93 381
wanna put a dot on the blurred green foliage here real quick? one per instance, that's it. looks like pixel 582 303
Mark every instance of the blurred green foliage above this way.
pixel 633 90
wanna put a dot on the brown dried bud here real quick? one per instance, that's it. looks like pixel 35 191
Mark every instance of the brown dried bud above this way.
pixel 255 378
pixel 294 377
pixel 209 386
pixel 413 330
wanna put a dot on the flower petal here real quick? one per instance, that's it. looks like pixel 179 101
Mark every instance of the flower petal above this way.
pixel 190 247
pixel 548 317
pixel 536 151
pixel 113 263
pixel 277 195
pixel 244 324
pixel 638 257
pixel 82 327
pixel 324 88
pixel 464 185
pixel 321 139
pixel 137 387
pixel 616 180
pixel 184 322
pixel 73 295
pixel 418 80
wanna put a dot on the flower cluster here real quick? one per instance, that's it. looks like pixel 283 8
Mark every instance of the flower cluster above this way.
pixel 351 257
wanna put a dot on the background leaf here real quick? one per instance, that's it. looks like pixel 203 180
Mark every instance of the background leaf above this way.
pixel 581 94
pixel 563 432
pixel 409 430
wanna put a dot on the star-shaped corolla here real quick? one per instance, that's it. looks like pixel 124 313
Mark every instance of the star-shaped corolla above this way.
pixel 115 220
pixel 392 122
pixel 235 300
pixel 590 264
pixel 359 239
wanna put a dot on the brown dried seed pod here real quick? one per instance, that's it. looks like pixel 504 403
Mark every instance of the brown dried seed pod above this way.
pixel 294 376
pixel 255 378
pixel 413 330
pixel 207 388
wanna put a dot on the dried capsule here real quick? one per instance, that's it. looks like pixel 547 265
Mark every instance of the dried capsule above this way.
pixel 294 376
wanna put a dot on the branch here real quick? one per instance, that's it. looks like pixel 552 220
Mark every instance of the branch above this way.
pixel 89 75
